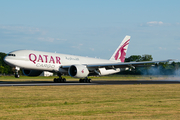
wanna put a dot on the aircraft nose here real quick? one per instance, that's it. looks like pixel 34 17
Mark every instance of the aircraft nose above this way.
pixel 7 60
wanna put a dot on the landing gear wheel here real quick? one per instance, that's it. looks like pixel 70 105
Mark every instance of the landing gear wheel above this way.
pixel 16 75
pixel 64 80
pixel 55 80
pixel 89 80
pixel 81 80
pixel 59 80
pixel 85 80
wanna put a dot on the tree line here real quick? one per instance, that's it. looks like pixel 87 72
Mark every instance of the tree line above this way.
pixel 4 68
pixel 166 68
pixel 157 69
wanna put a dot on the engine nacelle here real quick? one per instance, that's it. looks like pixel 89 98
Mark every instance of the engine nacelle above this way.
pixel 78 71
pixel 32 73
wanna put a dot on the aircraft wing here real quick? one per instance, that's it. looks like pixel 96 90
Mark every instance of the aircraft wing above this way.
pixel 126 64
pixel 119 64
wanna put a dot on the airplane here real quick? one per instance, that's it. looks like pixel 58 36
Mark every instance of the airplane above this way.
pixel 33 63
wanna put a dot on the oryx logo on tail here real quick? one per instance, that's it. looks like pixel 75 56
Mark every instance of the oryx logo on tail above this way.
pixel 120 53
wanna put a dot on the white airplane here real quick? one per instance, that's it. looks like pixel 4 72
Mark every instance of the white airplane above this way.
pixel 33 63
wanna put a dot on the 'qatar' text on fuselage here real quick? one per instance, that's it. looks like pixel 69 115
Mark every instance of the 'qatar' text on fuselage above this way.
pixel 44 59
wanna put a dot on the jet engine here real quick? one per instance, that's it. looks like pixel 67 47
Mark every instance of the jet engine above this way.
pixel 32 73
pixel 78 71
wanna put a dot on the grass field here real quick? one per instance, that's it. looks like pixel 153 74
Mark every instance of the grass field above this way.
pixel 157 101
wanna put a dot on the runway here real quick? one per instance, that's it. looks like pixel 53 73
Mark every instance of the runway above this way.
pixel 49 83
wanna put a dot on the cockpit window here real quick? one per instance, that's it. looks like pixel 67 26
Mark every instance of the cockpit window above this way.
pixel 11 55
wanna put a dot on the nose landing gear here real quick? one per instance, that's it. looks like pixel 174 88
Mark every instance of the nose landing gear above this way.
pixel 16 72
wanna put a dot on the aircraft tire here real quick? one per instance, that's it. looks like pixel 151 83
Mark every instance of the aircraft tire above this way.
pixel 59 80
pixel 64 80
pixel 89 80
pixel 85 80
pixel 17 76
pixel 80 80
pixel 55 80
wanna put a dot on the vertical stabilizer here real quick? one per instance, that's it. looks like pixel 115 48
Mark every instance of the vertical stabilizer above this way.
pixel 120 54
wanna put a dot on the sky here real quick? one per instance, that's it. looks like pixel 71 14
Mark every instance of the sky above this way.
pixel 92 28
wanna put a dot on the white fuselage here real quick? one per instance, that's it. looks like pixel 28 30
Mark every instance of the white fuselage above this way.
pixel 46 61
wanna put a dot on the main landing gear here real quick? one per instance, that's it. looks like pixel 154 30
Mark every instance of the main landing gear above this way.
pixel 86 80
pixel 63 80
pixel 60 79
